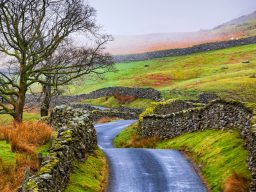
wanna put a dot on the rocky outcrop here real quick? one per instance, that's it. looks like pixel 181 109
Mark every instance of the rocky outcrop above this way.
pixel 184 51
pixel 75 138
pixel 217 114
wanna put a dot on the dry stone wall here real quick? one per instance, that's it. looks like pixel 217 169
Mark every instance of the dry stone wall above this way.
pixel 120 112
pixel 75 138
pixel 185 51
pixel 173 107
pixel 217 114
pixel 146 93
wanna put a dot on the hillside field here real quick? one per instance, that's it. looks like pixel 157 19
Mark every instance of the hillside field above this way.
pixel 224 72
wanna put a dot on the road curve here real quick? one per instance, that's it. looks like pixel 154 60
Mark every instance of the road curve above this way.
pixel 145 170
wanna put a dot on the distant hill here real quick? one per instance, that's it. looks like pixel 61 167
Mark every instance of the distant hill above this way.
pixel 244 26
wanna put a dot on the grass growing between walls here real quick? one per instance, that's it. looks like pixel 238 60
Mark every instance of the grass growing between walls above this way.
pixel 112 102
pixel 90 176
pixel 220 155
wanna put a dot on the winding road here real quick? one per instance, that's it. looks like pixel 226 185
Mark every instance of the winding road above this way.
pixel 145 170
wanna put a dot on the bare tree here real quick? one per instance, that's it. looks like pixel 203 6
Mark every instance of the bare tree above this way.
pixel 23 26
pixel 71 63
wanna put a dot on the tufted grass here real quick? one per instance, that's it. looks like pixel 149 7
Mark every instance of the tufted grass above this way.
pixel 90 176
pixel 219 71
pixel 220 154
pixel 113 102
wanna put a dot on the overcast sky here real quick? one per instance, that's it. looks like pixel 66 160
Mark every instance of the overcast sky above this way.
pixel 127 17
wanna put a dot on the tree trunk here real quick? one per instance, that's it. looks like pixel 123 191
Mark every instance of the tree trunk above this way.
pixel 18 116
pixel 45 105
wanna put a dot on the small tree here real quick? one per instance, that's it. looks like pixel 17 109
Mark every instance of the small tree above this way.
pixel 24 25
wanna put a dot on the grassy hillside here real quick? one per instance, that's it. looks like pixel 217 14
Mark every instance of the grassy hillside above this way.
pixel 214 151
pixel 221 71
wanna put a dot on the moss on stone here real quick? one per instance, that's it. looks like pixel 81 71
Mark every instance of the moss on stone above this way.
pixel 49 166
pixel 32 186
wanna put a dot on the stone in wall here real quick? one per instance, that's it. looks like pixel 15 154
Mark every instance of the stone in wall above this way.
pixel 207 97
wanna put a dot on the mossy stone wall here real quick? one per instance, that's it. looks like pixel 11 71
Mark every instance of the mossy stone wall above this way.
pixel 75 138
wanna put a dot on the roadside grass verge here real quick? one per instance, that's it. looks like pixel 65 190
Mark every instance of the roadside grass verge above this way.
pixel 123 139
pixel 90 176
pixel 112 102
pixel 220 155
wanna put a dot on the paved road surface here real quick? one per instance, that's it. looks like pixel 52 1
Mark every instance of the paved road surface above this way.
pixel 145 170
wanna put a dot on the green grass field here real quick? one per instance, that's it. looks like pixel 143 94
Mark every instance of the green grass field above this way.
pixel 220 71
pixel 219 153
